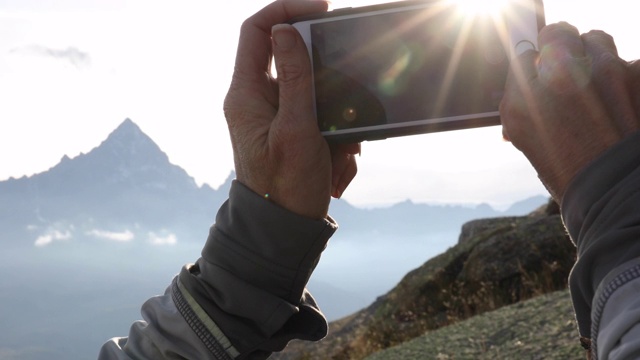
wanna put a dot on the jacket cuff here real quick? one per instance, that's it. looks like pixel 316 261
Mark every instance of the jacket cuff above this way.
pixel 594 185
pixel 254 268
pixel 265 244
pixel 601 209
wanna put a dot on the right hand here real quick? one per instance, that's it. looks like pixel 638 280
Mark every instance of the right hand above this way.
pixel 568 103
pixel 277 145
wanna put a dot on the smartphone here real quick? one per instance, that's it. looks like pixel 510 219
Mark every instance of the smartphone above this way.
pixel 413 67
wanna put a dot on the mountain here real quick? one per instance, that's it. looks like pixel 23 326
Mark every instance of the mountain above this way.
pixel 89 240
pixel 496 262
pixel 409 218
pixel 125 183
pixel 127 187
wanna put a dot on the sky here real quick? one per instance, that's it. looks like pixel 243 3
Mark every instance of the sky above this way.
pixel 72 70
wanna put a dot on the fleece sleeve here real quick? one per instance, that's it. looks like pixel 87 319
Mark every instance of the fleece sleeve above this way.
pixel 245 297
pixel 601 210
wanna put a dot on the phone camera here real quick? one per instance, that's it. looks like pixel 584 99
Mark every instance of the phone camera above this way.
pixel 349 114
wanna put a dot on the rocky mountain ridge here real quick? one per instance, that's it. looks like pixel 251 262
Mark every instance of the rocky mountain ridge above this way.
pixel 128 182
pixel 496 262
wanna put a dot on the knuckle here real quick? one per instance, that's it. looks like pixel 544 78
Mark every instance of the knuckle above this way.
pixel 289 71
pixel 515 116
pixel 599 35
pixel 553 31
pixel 229 107
pixel 234 111
pixel 598 41
pixel 606 65
pixel 565 73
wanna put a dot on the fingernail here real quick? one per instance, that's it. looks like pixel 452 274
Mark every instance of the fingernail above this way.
pixel 283 36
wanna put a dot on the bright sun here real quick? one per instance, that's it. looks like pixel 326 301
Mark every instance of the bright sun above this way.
pixel 481 7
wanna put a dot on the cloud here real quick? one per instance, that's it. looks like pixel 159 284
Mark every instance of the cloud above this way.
pixel 9 354
pixel 51 236
pixel 71 54
pixel 124 236
pixel 169 239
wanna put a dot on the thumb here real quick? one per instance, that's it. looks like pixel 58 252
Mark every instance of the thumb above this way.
pixel 294 75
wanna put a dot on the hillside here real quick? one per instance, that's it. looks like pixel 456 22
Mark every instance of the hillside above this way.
pixel 539 328
pixel 496 262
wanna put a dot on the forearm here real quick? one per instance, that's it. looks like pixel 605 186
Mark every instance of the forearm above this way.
pixel 616 314
pixel 601 210
pixel 245 297
pixel 163 334
pixel 253 272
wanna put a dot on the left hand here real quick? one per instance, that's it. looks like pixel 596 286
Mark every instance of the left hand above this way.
pixel 278 148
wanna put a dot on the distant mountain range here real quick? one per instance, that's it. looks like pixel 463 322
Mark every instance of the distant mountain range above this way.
pixel 127 184
pixel 87 241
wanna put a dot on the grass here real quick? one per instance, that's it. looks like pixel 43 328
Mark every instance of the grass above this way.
pixel 541 328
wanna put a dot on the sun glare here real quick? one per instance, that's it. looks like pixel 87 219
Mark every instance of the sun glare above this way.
pixel 480 7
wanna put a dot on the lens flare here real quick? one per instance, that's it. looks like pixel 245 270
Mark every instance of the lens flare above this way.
pixel 391 81
pixel 350 114
pixel 480 7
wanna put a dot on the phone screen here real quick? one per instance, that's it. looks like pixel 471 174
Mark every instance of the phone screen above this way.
pixel 406 66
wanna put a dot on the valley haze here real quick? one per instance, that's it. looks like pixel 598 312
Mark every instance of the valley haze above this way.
pixel 89 240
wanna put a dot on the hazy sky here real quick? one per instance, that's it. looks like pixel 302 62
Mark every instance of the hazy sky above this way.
pixel 71 71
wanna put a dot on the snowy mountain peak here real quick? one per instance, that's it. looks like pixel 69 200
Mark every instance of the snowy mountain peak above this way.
pixel 125 182
pixel 128 141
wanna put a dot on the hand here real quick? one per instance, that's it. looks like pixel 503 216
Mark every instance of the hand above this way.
pixel 568 103
pixel 278 148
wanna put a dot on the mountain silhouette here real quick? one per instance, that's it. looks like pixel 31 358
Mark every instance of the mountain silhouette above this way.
pixel 126 181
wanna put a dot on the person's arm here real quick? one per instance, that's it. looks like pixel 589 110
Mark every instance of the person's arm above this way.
pixel 572 109
pixel 245 297
pixel 601 211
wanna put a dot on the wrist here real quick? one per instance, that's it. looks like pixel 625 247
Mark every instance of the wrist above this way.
pixel 300 201
pixel 299 204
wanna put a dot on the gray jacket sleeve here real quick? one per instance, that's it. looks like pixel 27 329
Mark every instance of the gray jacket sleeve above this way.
pixel 601 210
pixel 245 297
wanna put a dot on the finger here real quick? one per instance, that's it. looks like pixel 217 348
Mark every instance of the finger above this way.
pixel 563 65
pixel 597 41
pixel 610 75
pixel 561 35
pixel 353 149
pixel 518 98
pixel 294 80
pixel 344 167
pixel 348 172
pixel 525 66
pixel 252 99
pixel 522 71
pixel 254 48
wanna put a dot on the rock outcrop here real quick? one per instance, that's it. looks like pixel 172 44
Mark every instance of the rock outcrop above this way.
pixel 497 262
